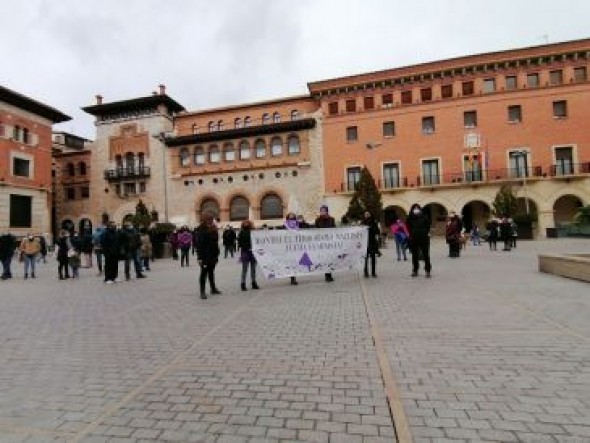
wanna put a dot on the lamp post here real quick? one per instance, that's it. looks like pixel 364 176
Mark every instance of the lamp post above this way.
pixel 524 154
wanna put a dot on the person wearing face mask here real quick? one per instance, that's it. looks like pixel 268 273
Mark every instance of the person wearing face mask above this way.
pixel 418 225
pixel 109 243
pixel 29 248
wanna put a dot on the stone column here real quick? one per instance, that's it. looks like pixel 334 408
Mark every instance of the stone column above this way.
pixel 546 220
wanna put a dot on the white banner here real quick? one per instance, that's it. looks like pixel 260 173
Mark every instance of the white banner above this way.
pixel 283 253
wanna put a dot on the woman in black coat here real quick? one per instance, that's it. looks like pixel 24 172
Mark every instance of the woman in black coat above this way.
pixel 207 253
pixel 372 243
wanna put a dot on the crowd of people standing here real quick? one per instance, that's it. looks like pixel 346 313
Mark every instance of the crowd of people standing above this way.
pixel 132 246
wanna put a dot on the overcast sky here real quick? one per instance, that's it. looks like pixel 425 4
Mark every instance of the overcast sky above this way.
pixel 219 52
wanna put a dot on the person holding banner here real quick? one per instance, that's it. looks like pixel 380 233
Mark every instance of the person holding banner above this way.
pixel 418 225
pixel 292 224
pixel 325 220
pixel 207 253
pixel 246 256
pixel 372 243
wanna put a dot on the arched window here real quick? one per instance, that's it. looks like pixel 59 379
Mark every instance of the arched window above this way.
pixel 25 135
pixel 244 150
pixel 71 169
pixel 229 154
pixel 238 123
pixel 211 126
pixel 239 209
pixel 294 115
pixel 214 154
pixel 260 148
pixel 82 168
pixel 199 156
pixel 276 147
pixel 194 128
pixel 141 160
pixel 119 161
pixel 265 119
pixel 210 206
pixel 184 157
pixel 271 206
pixel 276 117
pixel 247 122
pixel 220 125
pixel 293 145
pixel 16 133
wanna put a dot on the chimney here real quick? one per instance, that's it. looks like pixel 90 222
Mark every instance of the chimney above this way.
pixel 99 99
pixel 162 89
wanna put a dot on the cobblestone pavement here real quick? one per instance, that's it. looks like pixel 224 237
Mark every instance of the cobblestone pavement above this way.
pixel 486 350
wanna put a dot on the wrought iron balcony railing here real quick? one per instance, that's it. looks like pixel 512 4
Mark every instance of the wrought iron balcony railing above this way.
pixel 127 173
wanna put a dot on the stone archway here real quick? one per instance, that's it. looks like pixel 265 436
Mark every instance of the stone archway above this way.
pixel 475 211
pixel 438 217
pixel 565 208
pixel 393 213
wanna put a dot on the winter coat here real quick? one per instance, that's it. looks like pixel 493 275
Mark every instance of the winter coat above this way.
pixel 453 230
pixel 7 246
pixel 373 241
pixel 30 247
pixel 245 245
pixel 326 221
pixel 229 237
pixel 110 243
pixel 63 245
pixel 185 240
pixel 207 244
pixel 418 227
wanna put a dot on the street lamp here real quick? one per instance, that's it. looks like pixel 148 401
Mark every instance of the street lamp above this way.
pixel 524 154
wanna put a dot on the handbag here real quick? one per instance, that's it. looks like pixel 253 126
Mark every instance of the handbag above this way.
pixel 72 253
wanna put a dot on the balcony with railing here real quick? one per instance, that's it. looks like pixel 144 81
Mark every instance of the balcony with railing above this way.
pixel 137 172
pixel 475 177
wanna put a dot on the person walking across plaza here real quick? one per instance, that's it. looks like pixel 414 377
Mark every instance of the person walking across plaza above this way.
pixel 8 245
pixel 506 233
pixel 207 253
pixel 30 247
pixel 372 243
pixel 418 224
pixel 185 241
pixel 325 220
pixel 246 256
pixel 75 254
pixel 43 251
pixel 400 237
pixel 475 235
pixel 493 228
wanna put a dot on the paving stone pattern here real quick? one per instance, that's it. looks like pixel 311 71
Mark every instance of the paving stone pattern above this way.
pixel 487 350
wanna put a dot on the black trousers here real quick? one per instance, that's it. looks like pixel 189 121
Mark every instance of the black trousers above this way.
pixel 372 256
pixel 184 254
pixel 111 267
pixel 207 272
pixel 418 250
pixel 63 269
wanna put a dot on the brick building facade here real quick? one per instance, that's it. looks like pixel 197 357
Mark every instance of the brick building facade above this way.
pixel 25 163
pixel 446 134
